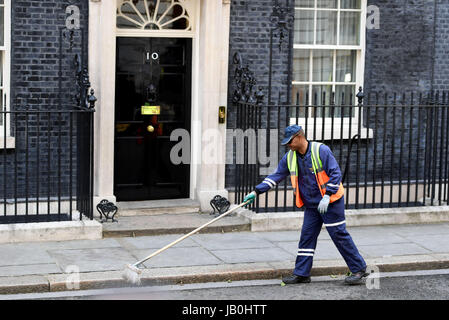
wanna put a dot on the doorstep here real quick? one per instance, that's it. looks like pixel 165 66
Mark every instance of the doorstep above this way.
pixel 157 207
pixel 169 223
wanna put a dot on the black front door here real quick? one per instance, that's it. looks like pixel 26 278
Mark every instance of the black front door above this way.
pixel 153 86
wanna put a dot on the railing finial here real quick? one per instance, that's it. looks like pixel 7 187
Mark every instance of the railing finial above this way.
pixel 360 95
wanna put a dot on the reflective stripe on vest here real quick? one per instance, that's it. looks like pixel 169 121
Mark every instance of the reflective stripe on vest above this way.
pixel 320 175
pixel 293 168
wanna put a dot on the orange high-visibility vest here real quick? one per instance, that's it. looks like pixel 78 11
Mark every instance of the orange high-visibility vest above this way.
pixel 320 174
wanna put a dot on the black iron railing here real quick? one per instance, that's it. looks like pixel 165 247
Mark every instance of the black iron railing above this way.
pixel 46 165
pixel 392 149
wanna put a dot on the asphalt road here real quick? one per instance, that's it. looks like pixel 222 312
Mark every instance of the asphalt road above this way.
pixel 413 285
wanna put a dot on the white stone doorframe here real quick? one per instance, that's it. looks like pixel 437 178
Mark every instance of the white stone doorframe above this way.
pixel 209 91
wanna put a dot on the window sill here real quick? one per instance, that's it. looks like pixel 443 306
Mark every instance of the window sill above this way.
pixel 336 134
pixel 338 131
pixel 10 143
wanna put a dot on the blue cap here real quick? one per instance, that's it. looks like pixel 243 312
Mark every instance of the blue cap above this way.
pixel 290 132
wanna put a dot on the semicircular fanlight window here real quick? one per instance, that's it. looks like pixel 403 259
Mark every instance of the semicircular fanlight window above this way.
pixel 152 15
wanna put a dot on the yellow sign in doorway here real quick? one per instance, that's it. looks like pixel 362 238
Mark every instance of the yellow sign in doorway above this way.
pixel 151 110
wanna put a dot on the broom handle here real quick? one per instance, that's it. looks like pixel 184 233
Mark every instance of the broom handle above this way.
pixel 189 234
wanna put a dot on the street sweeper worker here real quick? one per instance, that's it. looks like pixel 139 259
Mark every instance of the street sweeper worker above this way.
pixel 316 179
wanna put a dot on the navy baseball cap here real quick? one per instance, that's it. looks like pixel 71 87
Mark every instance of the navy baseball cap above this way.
pixel 290 132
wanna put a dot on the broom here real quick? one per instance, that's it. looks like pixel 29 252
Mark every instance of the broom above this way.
pixel 132 272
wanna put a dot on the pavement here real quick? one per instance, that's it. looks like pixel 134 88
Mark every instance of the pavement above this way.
pixel 225 252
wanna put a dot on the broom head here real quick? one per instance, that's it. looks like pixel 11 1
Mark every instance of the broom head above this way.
pixel 131 273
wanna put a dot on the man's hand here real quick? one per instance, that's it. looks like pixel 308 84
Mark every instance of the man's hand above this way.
pixel 250 197
pixel 324 203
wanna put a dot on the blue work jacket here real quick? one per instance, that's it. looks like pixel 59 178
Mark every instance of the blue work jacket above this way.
pixel 307 183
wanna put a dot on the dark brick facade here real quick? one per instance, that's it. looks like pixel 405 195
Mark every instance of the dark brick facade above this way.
pixel 441 69
pixel 399 55
pixel 257 37
pixel 409 53
pixel 35 39
pixel 42 79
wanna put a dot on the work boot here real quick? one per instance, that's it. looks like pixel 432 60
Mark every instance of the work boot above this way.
pixel 356 278
pixel 295 279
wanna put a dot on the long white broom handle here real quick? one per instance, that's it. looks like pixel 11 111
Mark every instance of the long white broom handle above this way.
pixel 189 234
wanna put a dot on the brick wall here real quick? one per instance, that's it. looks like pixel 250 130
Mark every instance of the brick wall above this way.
pixel 257 39
pixel 408 53
pixel 38 74
pixel 441 75
pixel 399 54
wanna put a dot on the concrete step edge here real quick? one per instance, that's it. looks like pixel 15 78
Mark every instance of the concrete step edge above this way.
pixel 178 230
pixel 277 221
pixel 156 211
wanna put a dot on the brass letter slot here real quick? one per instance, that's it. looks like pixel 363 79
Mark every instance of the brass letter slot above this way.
pixel 221 114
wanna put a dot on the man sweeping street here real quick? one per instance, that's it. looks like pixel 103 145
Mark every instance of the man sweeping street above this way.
pixel 316 180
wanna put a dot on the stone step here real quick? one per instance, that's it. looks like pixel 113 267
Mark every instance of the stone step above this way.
pixel 150 225
pixel 157 207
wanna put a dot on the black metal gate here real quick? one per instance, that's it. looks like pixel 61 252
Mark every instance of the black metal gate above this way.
pixel 392 149
pixel 46 154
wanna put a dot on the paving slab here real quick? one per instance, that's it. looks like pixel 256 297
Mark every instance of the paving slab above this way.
pixel 251 255
pixel 20 254
pixel 75 244
pixel 88 260
pixel 370 231
pixel 231 241
pixel 279 235
pixel 326 250
pixel 420 229
pixel 172 224
pixel 396 249
pixel 157 242
pixel 434 243
pixel 30 269
pixel 178 257
pixel 377 238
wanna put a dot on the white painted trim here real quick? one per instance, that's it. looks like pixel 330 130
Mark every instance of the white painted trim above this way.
pixel 102 39
pixel 195 117
pixel 155 33
pixel 189 8
pixel 326 47
pixel 10 141
pixel 360 71
pixel 102 21
pixel 210 42
pixel 7 73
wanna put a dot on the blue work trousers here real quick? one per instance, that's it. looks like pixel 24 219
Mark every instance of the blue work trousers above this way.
pixel 334 221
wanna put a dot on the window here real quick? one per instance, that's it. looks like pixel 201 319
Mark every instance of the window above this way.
pixel 328 54
pixel 141 17
pixel 5 22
